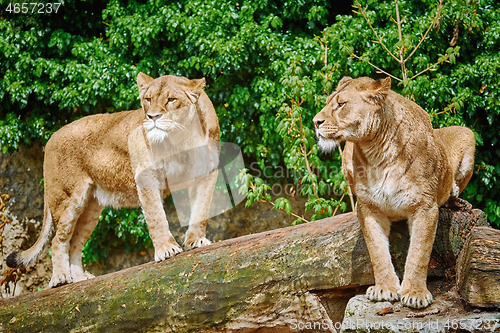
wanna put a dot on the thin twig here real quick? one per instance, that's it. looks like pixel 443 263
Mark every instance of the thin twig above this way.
pixel 304 150
pixel 362 12
pixel 293 214
pixel 429 68
pixel 326 49
pixel 379 70
pixel 440 112
pixel 422 314
pixel 349 192
pixel 336 208
pixel 401 48
pixel 398 21
pixel 425 35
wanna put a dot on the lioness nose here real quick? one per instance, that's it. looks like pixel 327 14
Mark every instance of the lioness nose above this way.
pixel 154 117
pixel 318 122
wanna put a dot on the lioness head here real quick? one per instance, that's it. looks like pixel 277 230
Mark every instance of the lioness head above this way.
pixel 350 111
pixel 168 103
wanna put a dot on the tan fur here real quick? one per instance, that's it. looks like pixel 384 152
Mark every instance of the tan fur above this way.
pixel 399 167
pixel 128 159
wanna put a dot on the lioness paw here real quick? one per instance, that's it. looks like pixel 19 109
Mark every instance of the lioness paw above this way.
pixel 60 279
pixel 82 277
pixel 382 293
pixel 167 251
pixel 416 299
pixel 196 243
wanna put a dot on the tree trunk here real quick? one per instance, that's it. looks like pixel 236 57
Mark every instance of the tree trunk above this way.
pixel 247 282
pixel 274 281
pixel 478 268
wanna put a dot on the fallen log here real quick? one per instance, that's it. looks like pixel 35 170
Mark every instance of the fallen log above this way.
pixel 274 280
pixel 251 281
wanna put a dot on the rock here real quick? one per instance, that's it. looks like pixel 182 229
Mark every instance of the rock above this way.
pixel 20 178
pixel 478 268
pixel 361 316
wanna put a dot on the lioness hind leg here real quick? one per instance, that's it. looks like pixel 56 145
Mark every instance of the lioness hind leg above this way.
pixel 376 228
pixel 200 196
pixel 414 292
pixel 460 145
pixel 464 172
pixel 83 229
pixel 65 217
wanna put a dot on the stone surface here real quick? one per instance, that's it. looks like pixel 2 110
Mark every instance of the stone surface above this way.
pixel 361 316
pixel 335 300
pixel 478 268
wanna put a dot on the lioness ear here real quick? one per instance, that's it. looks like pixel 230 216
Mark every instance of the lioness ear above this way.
pixel 385 83
pixel 379 92
pixel 343 82
pixel 143 80
pixel 195 88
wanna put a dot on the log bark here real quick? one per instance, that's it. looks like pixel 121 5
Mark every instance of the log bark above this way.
pixel 478 268
pixel 264 282
pixel 236 285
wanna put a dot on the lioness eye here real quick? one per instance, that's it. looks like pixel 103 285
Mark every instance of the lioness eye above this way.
pixel 171 100
pixel 148 100
pixel 341 104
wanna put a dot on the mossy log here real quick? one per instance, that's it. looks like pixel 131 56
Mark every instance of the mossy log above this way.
pixel 262 279
pixel 268 280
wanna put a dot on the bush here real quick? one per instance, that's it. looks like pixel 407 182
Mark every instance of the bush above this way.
pixel 256 56
pixel 125 228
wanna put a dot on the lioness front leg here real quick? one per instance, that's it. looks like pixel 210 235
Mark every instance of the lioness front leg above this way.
pixel 200 195
pixel 376 228
pixel 163 241
pixel 422 227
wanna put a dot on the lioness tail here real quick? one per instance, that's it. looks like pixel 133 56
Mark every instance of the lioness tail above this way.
pixel 23 259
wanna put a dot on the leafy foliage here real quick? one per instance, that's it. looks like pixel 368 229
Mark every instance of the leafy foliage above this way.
pixel 267 63
pixel 125 228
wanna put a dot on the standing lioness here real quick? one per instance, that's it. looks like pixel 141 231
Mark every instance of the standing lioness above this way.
pixel 128 159
pixel 399 167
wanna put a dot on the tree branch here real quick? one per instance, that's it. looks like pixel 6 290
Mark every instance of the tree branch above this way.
pixel 379 40
pixel 425 35
pixel 377 68
pixel 304 150
pixel 292 213
pixel 429 68
pixel 401 48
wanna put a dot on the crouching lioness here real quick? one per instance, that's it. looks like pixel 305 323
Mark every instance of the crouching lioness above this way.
pixel 399 167
pixel 128 159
